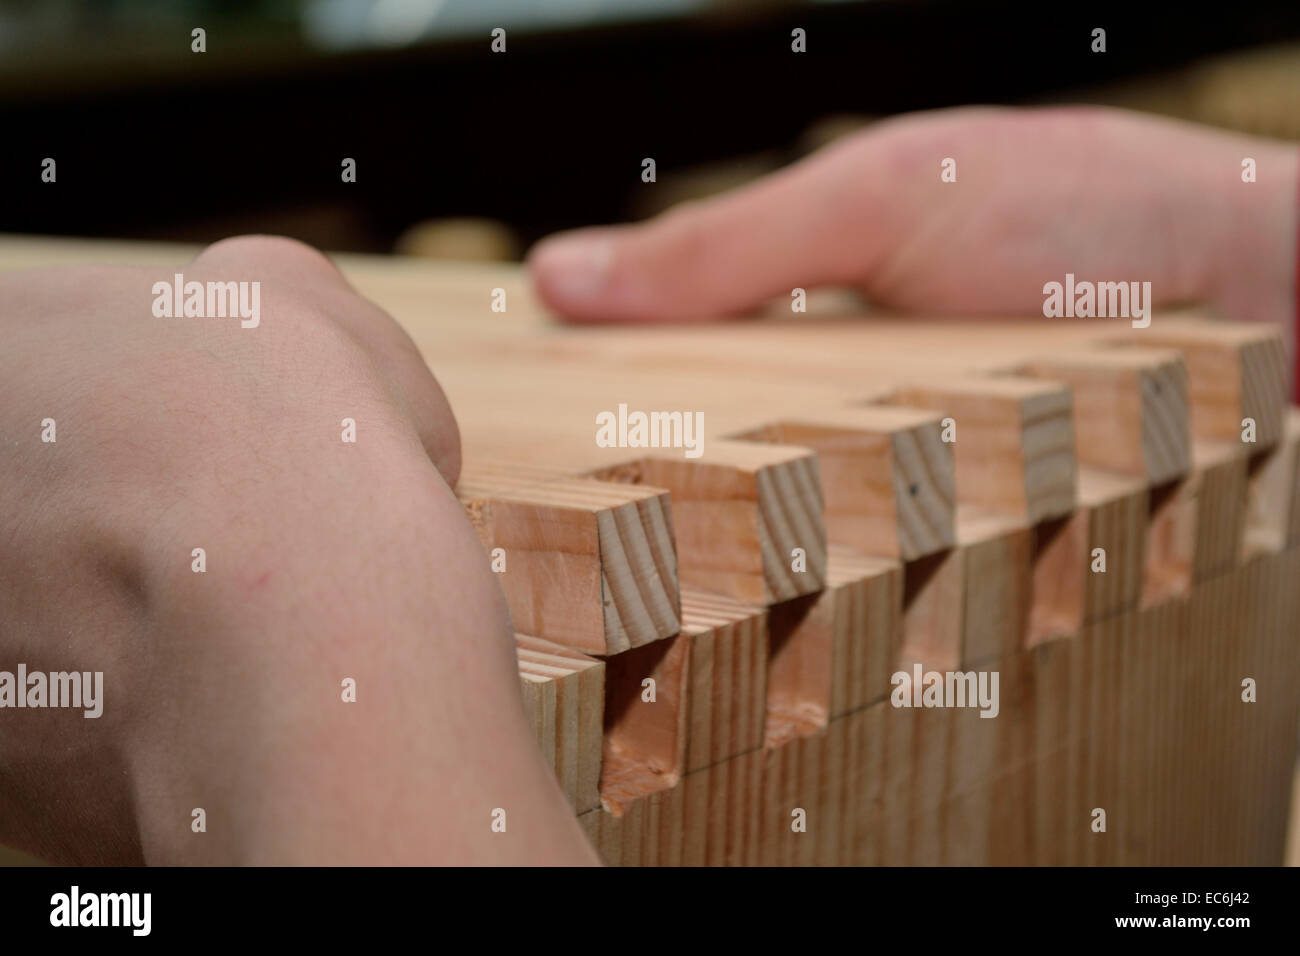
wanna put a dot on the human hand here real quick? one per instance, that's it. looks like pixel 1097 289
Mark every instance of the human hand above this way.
pixel 1105 194
pixel 325 560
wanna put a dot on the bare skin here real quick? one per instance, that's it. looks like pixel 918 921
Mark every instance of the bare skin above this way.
pixel 325 561
pixel 1105 194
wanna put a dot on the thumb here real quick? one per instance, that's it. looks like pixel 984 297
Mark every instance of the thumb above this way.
pixel 806 225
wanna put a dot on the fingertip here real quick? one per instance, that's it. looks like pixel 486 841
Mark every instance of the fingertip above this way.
pixel 571 273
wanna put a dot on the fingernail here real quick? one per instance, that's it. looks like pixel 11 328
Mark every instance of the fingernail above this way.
pixel 575 267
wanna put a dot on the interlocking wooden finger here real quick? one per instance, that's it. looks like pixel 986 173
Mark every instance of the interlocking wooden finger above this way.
pixel 748 517
pixel 1013 442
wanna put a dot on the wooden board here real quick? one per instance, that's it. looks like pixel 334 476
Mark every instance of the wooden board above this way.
pixel 833 532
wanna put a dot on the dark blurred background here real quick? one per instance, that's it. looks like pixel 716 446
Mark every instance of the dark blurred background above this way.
pixel 468 153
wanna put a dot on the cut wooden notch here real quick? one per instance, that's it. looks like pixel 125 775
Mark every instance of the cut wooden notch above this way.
pixel 867 622
pixel 1089 565
pixel 709 818
pixel 886 475
pixel 1113 562
pixel 1013 442
pixel 1235 371
pixel 1272 521
pixel 748 517
pixel 584 563
pixel 645 714
pixel 1170 542
pixel 994 558
pixel 1130 409
pixel 932 611
pixel 1059 583
pixel 833 652
pixel 564 697
pixel 647 830
pixel 726 677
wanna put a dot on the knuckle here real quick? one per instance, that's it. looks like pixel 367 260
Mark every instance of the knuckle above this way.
pixel 273 251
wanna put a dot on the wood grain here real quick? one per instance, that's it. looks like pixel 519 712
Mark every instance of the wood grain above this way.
pixel 588 564
pixel 1235 371
pixel 1014 445
pixel 1131 410
pixel 564 696
pixel 886 475
pixel 742 515
pixel 726 679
